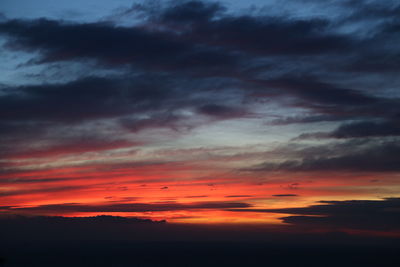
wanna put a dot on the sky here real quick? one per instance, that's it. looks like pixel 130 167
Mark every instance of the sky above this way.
pixel 205 112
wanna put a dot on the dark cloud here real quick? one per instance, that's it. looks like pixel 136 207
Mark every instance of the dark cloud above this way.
pixel 367 129
pixel 38 112
pixel 140 102
pixel 376 63
pixel 358 129
pixel 211 45
pixel 351 214
pixel 381 215
pixel 314 91
pixel 353 156
pixel 131 207
pixel 285 195
pixel 196 46
pixel 26 129
pixel 222 111
pixel 191 11
pixel 111 45
pixel 68 220
pixel 238 196
pixel 90 98
pixel 272 36
pixel 326 101
pixel 305 119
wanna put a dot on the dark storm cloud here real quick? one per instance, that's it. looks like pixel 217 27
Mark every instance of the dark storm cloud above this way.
pixel 338 107
pixel 358 129
pixel 88 98
pixel 263 35
pixel 305 119
pixel 29 113
pixel 222 111
pixel 63 220
pixel 211 45
pixel 144 101
pixel 131 207
pixel 209 41
pixel 110 44
pixel 353 214
pixel 271 36
pixel 367 129
pixel 309 88
pixel 191 11
pixel 350 214
pixel 328 101
pixel 27 129
pixel 352 156
pixel 376 62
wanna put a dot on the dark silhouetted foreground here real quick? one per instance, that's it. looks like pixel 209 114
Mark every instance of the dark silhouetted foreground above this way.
pixel 115 241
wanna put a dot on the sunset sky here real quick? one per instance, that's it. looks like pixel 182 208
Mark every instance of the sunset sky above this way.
pixel 258 111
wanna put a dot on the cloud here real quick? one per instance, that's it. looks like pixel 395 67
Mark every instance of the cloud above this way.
pixel 357 129
pixel 309 88
pixel 326 101
pixel 163 120
pixel 67 147
pixel 131 207
pixel 353 214
pixel 367 129
pixel 191 11
pixel 212 43
pixel 380 215
pixel 285 195
pixel 366 156
pixel 77 220
pixel 91 97
pixel 111 45
pixel 222 111
pixel 273 36
pixel 238 196
pixel 44 112
pixel 7 193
